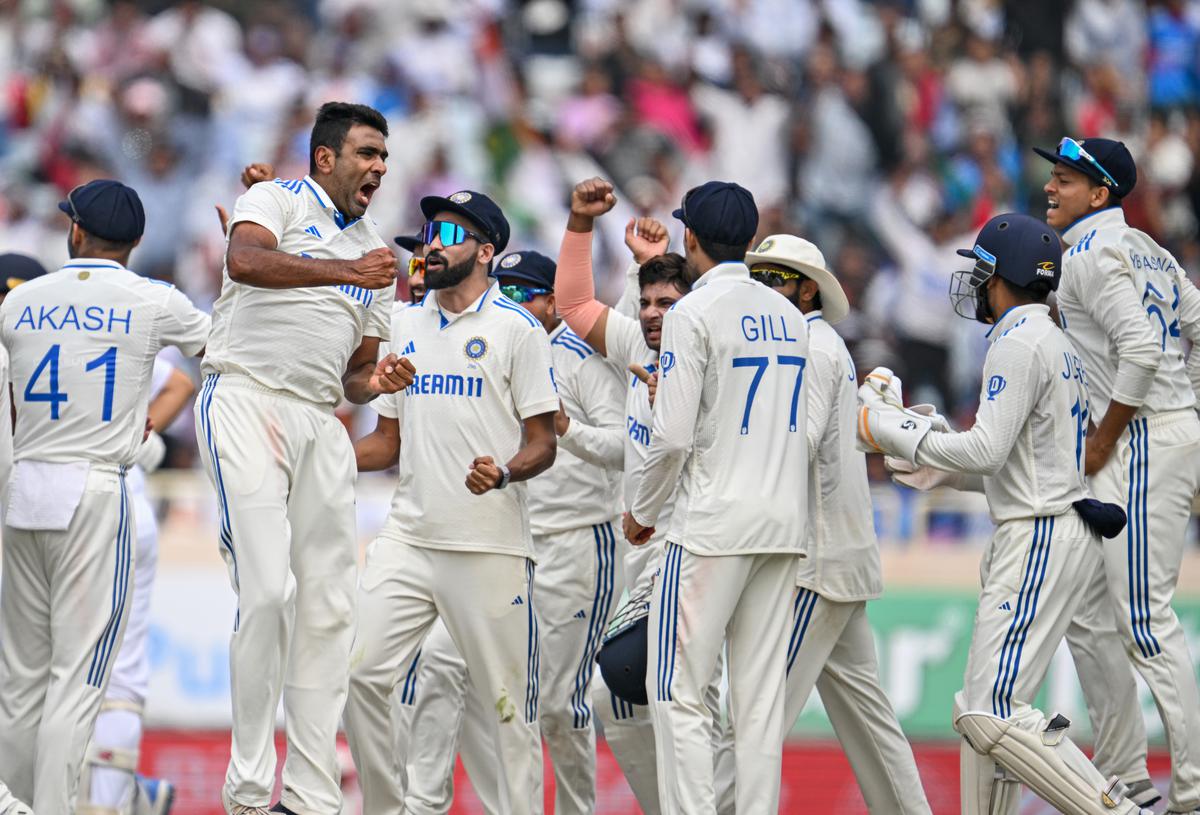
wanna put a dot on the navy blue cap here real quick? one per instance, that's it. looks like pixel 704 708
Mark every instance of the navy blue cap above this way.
pixel 622 660
pixel 531 267
pixel 16 269
pixel 721 212
pixel 476 207
pixel 107 209
pixel 408 243
pixel 1113 156
pixel 1023 249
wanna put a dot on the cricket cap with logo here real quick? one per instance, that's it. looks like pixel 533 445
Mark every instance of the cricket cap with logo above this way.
pixel 797 254
pixel 1021 249
pixel 1104 161
pixel 721 212
pixel 477 208
pixel 528 267
pixel 107 209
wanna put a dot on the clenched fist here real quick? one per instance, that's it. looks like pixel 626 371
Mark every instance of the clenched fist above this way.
pixel 592 198
pixel 254 173
pixel 483 476
pixel 374 270
pixel 392 374
pixel 646 238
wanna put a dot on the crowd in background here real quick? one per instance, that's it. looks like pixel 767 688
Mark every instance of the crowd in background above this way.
pixel 887 132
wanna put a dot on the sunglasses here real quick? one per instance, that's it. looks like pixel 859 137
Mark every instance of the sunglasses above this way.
pixel 1073 150
pixel 773 276
pixel 522 294
pixel 416 266
pixel 449 234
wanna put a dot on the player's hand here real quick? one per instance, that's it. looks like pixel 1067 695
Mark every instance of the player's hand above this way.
pixel 635 533
pixel 374 270
pixel 592 198
pixel 1095 457
pixel 646 238
pixel 562 422
pixel 392 374
pixel 650 380
pixel 917 476
pixel 483 476
pixel 254 173
pixel 886 385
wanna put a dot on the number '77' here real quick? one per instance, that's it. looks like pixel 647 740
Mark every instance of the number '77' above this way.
pixel 760 364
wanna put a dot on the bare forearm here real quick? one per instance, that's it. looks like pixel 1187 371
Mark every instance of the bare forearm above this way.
pixel 272 269
pixel 356 384
pixel 533 459
pixel 1115 420
pixel 376 451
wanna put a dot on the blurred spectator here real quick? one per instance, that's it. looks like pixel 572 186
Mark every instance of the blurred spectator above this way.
pixel 1172 55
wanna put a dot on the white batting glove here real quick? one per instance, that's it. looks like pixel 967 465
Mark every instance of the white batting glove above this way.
pixel 151 454
pixel 937 420
pixel 886 429
pixel 918 476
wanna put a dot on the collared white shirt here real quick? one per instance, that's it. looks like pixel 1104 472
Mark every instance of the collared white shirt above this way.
pixel 82 342
pixel 298 340
pixel 1029 433
pixel 581 488
pixel 842 560
pixel 731 416
pixel 1125 304
pixel 479 375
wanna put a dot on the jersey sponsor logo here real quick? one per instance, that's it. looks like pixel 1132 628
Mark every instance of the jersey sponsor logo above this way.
pixel 460 197
pixel 667 362
pixel 765 328
pixel 411 348
pixel 312 230
pixel 58 318
pixel 638 431
pixel 476 348
pixel 446 385
pixel 994 386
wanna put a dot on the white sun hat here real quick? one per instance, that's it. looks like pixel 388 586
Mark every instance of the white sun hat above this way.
pixel 803 256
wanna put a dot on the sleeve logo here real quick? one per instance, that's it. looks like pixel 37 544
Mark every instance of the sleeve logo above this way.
pixel 667 362
pixel 994 386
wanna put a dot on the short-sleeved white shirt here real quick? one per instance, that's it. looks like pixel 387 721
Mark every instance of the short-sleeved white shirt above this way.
pixel 298 340
pixel 82 342
pixel 479 375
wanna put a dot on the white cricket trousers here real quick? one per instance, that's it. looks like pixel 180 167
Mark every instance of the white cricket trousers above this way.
pixel 64 602
pixel 701 604
pixel 831 646
pixel 1034 573
pixel 284 473
pixel 487 603
pixel 1155 474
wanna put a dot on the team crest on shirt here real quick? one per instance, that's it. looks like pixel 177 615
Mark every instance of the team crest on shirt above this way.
pixel 460 197
pixel 510 261
pixel 476 348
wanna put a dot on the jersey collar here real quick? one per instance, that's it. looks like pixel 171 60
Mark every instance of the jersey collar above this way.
pixel 1014 315
pixel 92 263
pixel 814 315
pixel 444 319
pixel 341 219
pixel 730 270
pixel 1104 219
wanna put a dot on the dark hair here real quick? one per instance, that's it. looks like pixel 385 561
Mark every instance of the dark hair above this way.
pixel 334 121
pixel 721 252
pixel 1037 291
pixel 1114 200
pixel 669 268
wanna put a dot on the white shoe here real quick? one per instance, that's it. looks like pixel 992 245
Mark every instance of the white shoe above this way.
pixel 234 808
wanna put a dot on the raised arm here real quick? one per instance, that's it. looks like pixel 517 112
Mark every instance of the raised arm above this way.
pixel 254 259
pixel 574 284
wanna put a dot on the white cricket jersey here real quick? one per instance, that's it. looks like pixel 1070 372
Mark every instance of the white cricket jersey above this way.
pixel 626 345
pixel 1030 431
pixel 576 492
pixel 298 340
pixel 82 342
pixel 842 562
pixel 135 479
pixel 730 415
pixel 479 375
pixel 6 430
pixel 1125 303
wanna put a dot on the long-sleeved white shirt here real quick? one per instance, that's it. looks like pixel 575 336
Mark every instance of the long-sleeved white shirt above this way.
pixel 1125 303
pixel 730 420
pixel 1029 433
pixel 843 552
pixel 581 488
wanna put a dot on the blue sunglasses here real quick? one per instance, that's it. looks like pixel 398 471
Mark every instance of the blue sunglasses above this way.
pixel 450 234
pixel 1073 150
pixel 522 294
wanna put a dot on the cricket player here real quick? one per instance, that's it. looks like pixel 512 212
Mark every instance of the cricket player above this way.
pixel 1027 444
pixel 626 342
pixel 730 417
pixel 457 542
pixel 571 509
pixel 110 780
pixel 305 301
pixel 1126 305
pixel 416 269
pixel 831 643
pixel 82 342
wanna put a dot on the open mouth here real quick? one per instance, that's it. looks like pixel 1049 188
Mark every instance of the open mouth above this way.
pixel 365 192
pixel 1051 203
pixel 434 262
